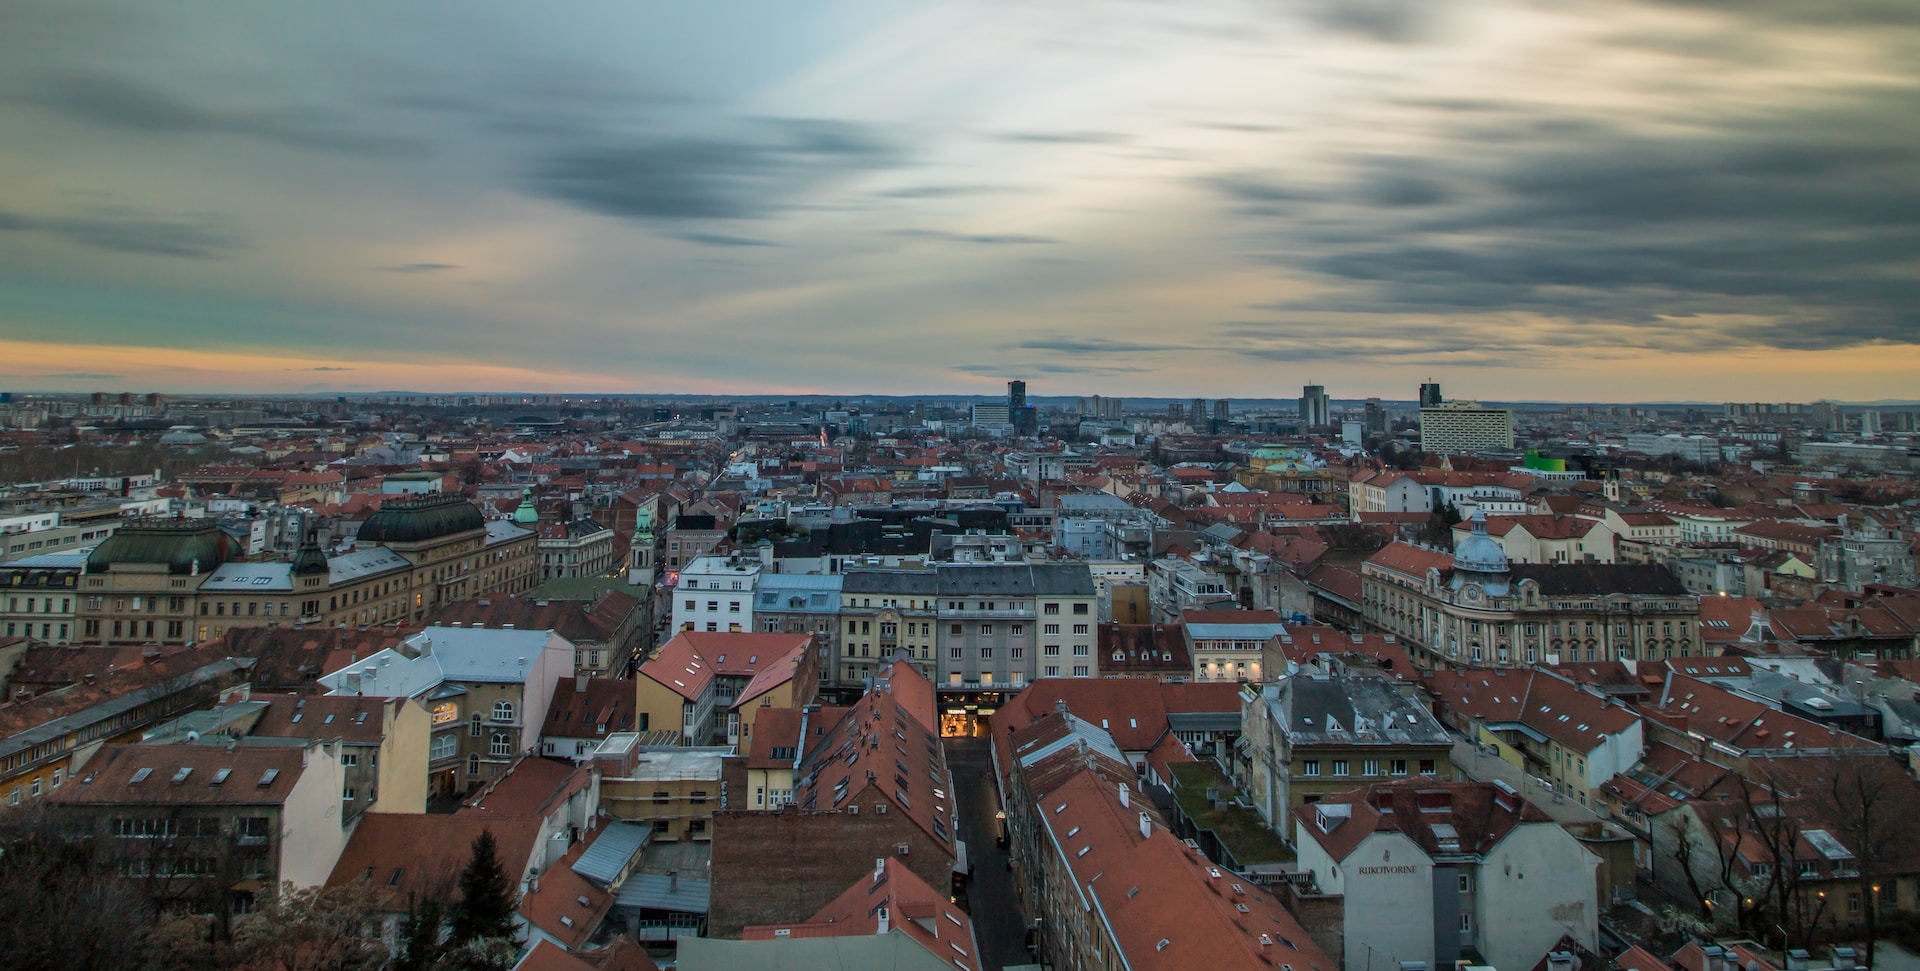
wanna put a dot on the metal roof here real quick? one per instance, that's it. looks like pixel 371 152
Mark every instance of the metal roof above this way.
pixel 657 891
pixel 619 844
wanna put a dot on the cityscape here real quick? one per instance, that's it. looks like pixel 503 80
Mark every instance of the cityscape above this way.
pixel 1308 485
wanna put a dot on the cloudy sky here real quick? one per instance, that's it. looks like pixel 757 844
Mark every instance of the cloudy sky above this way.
pixel 1546 199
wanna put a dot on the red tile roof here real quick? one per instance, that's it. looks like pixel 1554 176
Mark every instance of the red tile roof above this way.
pixel 1410 560
pixel 914 909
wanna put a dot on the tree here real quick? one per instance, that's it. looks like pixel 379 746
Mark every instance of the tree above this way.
pixel 421 935
pixel 1870 801
pixel 486 895
pixel 66 906
pixel 311 929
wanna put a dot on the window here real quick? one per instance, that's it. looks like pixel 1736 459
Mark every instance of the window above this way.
pixel 349 759
pixel 958 629
pixel 1370 767
pixel 1466 923
pixel 1017 629
pixel 443 747
pixel 473 764
pixel 503 711
pixel 1080 671
pixel 1017 653
pixel 1051 650
pixel 473 726
pixel 1052 671
pixel 1399 766
pixel 1050 629
pixel 1466 883
pixel 986 652
pixel 1051 609
pixel 500 744
pixel 1428 767
pixel 1080 628
pixel 986 630
pixel 660 797
pixel 1310 767
pixel 953 653
pixel 1339 766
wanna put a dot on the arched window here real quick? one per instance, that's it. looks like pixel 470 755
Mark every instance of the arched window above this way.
pixel 503 711
pixel 473 725
pixel 502 744
pixel 473 764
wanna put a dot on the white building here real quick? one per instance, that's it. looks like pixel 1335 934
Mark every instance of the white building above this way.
pixel 1464 426
pixel 1429 871
pixel 715 593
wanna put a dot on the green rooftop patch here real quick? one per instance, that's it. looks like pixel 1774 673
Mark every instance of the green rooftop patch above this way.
pixel 1241 831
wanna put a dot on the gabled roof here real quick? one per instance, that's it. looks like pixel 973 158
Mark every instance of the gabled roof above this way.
pixel 1165 905
pixel 398 854
pixel 1410 560
pixel 590 708
pixel 913 909
pixel 185 775
pixel 1442 818
pixel 879 747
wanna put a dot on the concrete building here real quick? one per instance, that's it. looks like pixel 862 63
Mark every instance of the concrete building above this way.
pixel 1438 872
pixel 486 693
pixel 1310 735
pixel 1316 408
pixel 672 789
pixel 715 593
pixel 217 826
pixel 1464 426
pixel 1226 645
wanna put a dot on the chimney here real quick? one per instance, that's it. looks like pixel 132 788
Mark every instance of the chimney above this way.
pixel 579 682
pixel 879 868
pixel 1146 826
pixel 1798 959
pixel 1713 957
pixel 884 922
pixel 673 879
pixel 1125 797
pixel 1563 961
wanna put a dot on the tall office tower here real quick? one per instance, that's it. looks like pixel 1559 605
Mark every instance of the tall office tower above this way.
pixel 1016 395
pixel 1826 416
pixel 1099 406
pixel 1222 412
pixel 1316 409
pixel 1197 413
pixel 1869 424
pixel 1174 411
pixel 1464 426
pixel 1116 407
pixel 1430 395
pixel 1376 417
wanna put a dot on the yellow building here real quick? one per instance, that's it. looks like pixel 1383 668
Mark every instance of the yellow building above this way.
pixel 673 788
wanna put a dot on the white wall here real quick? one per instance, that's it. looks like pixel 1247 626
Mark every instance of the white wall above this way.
pixel 554 664
pixel 1388 883
pixel 1536 885
pixel 311 834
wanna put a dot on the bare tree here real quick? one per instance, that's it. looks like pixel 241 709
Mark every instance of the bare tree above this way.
pixel 313 929
pixel 1869 800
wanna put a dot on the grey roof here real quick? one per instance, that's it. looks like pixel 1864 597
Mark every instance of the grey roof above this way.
pixel 1227 631
pixel 1093 501
pixel 249 576
pixel 866 952
pixel 450 654
pixel 52 729
pixel 1325 709
pixel 914 582
pixel 502 531
pixel 615 850
pixel 650 891
pixel 360 563
pixel 1204 721
pixel 1078 730
pixel 72 559
pixel 808 592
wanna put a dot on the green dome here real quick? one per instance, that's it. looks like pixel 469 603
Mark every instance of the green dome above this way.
pixel 416 520
pixel 184 545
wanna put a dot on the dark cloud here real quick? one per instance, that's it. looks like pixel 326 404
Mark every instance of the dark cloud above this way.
pixel 121 104
pixel 978 239
pixel 124 230
pixel 943 191
pixel 327 369
pixel 1833 13
pixel 1391 21
pixel 746 177
pixel 1798 230
pixel 418 268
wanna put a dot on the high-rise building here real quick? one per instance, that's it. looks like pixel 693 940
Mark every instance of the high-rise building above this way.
pixel 1376 417
pixel 1430 395
pixel 1869 424
pixel 1197 413
pixel 1016 395
pixel 1316 409
pixel 1464 426
pixel 1222 411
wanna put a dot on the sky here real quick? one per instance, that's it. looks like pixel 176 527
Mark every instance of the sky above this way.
pixel 1696 200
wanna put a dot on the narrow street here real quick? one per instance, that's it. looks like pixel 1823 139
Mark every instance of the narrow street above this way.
pixel 995 908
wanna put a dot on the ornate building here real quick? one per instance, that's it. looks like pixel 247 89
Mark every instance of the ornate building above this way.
pixel 1474 609
pixel 182 582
